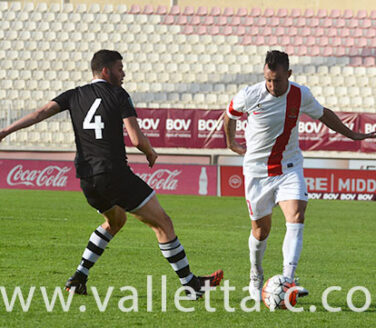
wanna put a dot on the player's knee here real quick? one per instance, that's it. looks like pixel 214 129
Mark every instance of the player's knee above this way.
pixel 122 221
pixel 296 218
pixel 260 234
pixel 165 221
pixel 116 224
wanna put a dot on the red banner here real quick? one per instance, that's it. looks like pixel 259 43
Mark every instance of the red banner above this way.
pixel 179 179
pixel 321 183
pixel 367 125
pixel 186 128
pixel 341 184
pixel 232 181
pixel 60 175
pixel 30 174
pixel 314 135
pixel 196 128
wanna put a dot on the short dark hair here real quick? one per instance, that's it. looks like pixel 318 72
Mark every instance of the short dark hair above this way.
pixel 104 58
pixel 276 58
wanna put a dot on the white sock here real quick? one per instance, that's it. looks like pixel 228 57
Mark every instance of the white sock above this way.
pixel 292 247
pixel 256 253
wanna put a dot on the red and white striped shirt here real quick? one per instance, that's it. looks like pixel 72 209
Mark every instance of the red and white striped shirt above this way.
pixel 272 127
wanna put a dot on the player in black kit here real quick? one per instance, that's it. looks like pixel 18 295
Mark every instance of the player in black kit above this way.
pixel 98 111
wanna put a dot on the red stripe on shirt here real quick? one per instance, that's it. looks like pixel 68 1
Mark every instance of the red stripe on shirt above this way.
pixel 232 111
pixel 292 113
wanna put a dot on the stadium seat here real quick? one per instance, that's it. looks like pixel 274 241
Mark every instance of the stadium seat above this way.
pixel 228 11
pixel 356 61
pixel 215 11
pixel 161 10
pixel 360 71
pixel 255 12
pixel 67 7
pixel 347 14
pixel 352 23
pixel 15 6
pixel 331 101
pixel 195 20
pixel 190 30
pixel 4 25
pixel 322 13
pixel 3 6
pixel 94 8
pixel 74 17
pixel 361 14
pixel 356 102
pixel 372 14
pixel 189 11
pixel 174 10
pixel 19 137
pixel 369 61
pixel 369 102
pixel 202 11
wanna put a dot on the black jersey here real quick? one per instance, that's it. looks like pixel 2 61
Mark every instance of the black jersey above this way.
pixel 97 111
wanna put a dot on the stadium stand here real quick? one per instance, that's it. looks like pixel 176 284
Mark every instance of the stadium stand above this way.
pixel 181 57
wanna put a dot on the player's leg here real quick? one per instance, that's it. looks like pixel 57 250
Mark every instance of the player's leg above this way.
pixel 293 211
pixel 260 200
pixel 94 189
pixel 155 217
pixel 115 219
pixel 292 199
pixel 257 245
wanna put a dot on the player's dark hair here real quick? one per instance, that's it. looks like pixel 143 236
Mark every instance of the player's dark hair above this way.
pixel 276 58
pixel 104 58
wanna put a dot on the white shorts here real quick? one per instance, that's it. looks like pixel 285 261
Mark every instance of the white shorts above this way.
pixel 262 194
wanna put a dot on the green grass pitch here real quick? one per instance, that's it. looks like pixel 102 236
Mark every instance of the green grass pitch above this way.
pixel 43 235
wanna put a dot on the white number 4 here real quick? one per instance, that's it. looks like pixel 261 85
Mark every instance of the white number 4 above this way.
pixel 97 125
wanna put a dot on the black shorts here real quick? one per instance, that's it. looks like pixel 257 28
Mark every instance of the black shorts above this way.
pixel 121 187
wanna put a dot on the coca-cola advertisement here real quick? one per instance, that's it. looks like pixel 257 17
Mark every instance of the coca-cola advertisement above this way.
pixel 33 174
pixel 60 175
pixel 179 179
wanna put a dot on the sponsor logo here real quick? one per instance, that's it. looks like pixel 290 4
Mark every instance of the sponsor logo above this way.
pixel 178 124
pixel 235 181
pixel 349 125
pixel 368 128
pixel 357 185
pixel 310 127
pixel 50 176
pixel 210 125
pixel 148 123
pixel 162 179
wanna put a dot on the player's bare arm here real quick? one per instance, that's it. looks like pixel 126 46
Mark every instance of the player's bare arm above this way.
pixel 230 129
pixel 332 121
pixel 139 140
pixel 39 115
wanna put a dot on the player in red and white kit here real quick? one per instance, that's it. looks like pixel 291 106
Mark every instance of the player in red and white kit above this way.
pixel 273 162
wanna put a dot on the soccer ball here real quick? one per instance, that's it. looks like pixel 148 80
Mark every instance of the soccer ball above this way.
pixel 274 291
